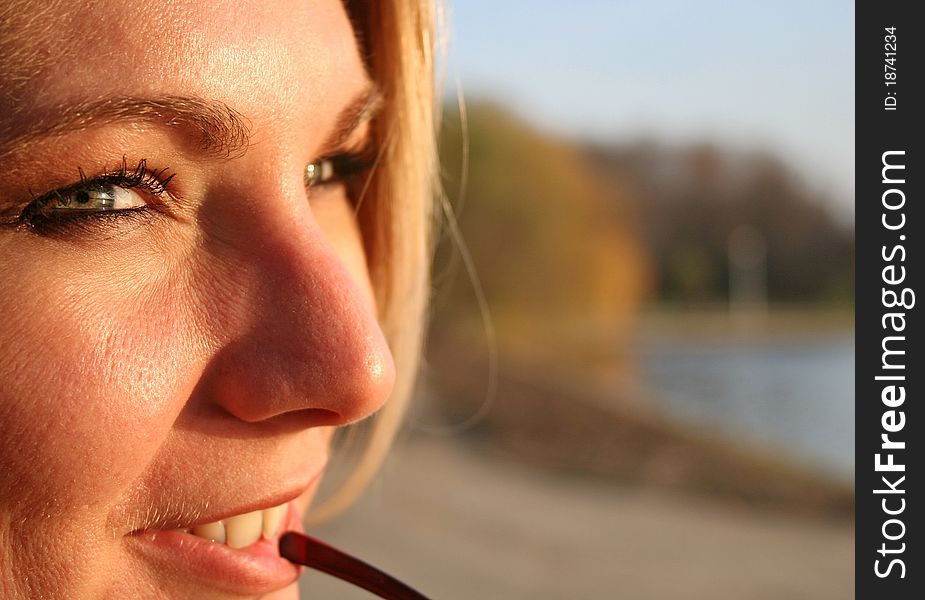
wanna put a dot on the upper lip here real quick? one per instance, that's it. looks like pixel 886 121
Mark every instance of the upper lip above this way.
pixel 211 514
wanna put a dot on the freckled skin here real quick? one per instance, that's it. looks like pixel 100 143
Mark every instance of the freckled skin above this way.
pixel 200 357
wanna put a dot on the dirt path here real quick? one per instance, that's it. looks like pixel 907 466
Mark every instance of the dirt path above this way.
pixel 459 525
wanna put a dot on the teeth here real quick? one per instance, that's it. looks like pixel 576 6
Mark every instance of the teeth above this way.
pixel 211 531
pixel 244 530
pixel 272 517
pixel 241 531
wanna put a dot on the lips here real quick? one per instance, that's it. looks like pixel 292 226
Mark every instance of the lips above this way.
pixel 234 550
pixel 253 567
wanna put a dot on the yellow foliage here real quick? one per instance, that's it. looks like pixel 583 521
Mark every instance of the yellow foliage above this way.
pixel 554 246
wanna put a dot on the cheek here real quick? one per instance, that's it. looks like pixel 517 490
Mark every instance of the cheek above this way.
pixel 89 367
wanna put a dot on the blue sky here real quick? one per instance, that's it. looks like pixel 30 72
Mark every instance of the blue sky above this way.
pixel 772 74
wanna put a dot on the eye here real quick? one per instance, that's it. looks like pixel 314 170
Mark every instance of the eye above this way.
pixel 123 193
pixel 320 172
pixel 340 168
pixel 95 197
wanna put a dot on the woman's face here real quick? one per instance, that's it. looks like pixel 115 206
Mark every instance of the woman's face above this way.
pixel 175 353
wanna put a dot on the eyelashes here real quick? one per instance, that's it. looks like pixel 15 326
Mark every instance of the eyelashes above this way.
pixel 125 193
pixel 133 193
pixel 340 168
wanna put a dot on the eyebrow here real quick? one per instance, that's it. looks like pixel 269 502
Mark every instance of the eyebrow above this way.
pixel 220 130
pixel 361 109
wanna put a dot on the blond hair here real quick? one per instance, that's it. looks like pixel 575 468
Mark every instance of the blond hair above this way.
pixel 395 212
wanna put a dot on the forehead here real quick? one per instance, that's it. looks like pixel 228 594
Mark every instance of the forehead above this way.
pixel 266 59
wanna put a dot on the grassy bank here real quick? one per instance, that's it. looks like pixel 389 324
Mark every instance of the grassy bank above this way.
pixel 562 420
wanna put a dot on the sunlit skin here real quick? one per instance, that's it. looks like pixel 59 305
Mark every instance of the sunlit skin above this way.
pixel 197 358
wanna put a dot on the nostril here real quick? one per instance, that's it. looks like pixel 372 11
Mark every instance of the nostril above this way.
pixel 283 422
pixel 305 418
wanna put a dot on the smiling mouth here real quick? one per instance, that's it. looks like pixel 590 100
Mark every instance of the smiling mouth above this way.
pixel 241 531
pixel 237 553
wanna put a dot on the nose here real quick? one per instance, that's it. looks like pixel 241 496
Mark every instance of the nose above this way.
pixel 299 333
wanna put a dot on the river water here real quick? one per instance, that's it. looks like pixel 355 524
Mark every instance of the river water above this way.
pixel 794 395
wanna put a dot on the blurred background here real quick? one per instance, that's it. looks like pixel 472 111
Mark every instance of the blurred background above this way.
pixel 657 200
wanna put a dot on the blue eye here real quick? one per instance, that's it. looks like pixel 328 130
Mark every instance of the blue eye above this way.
pixel 113 195
pixel 94 197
